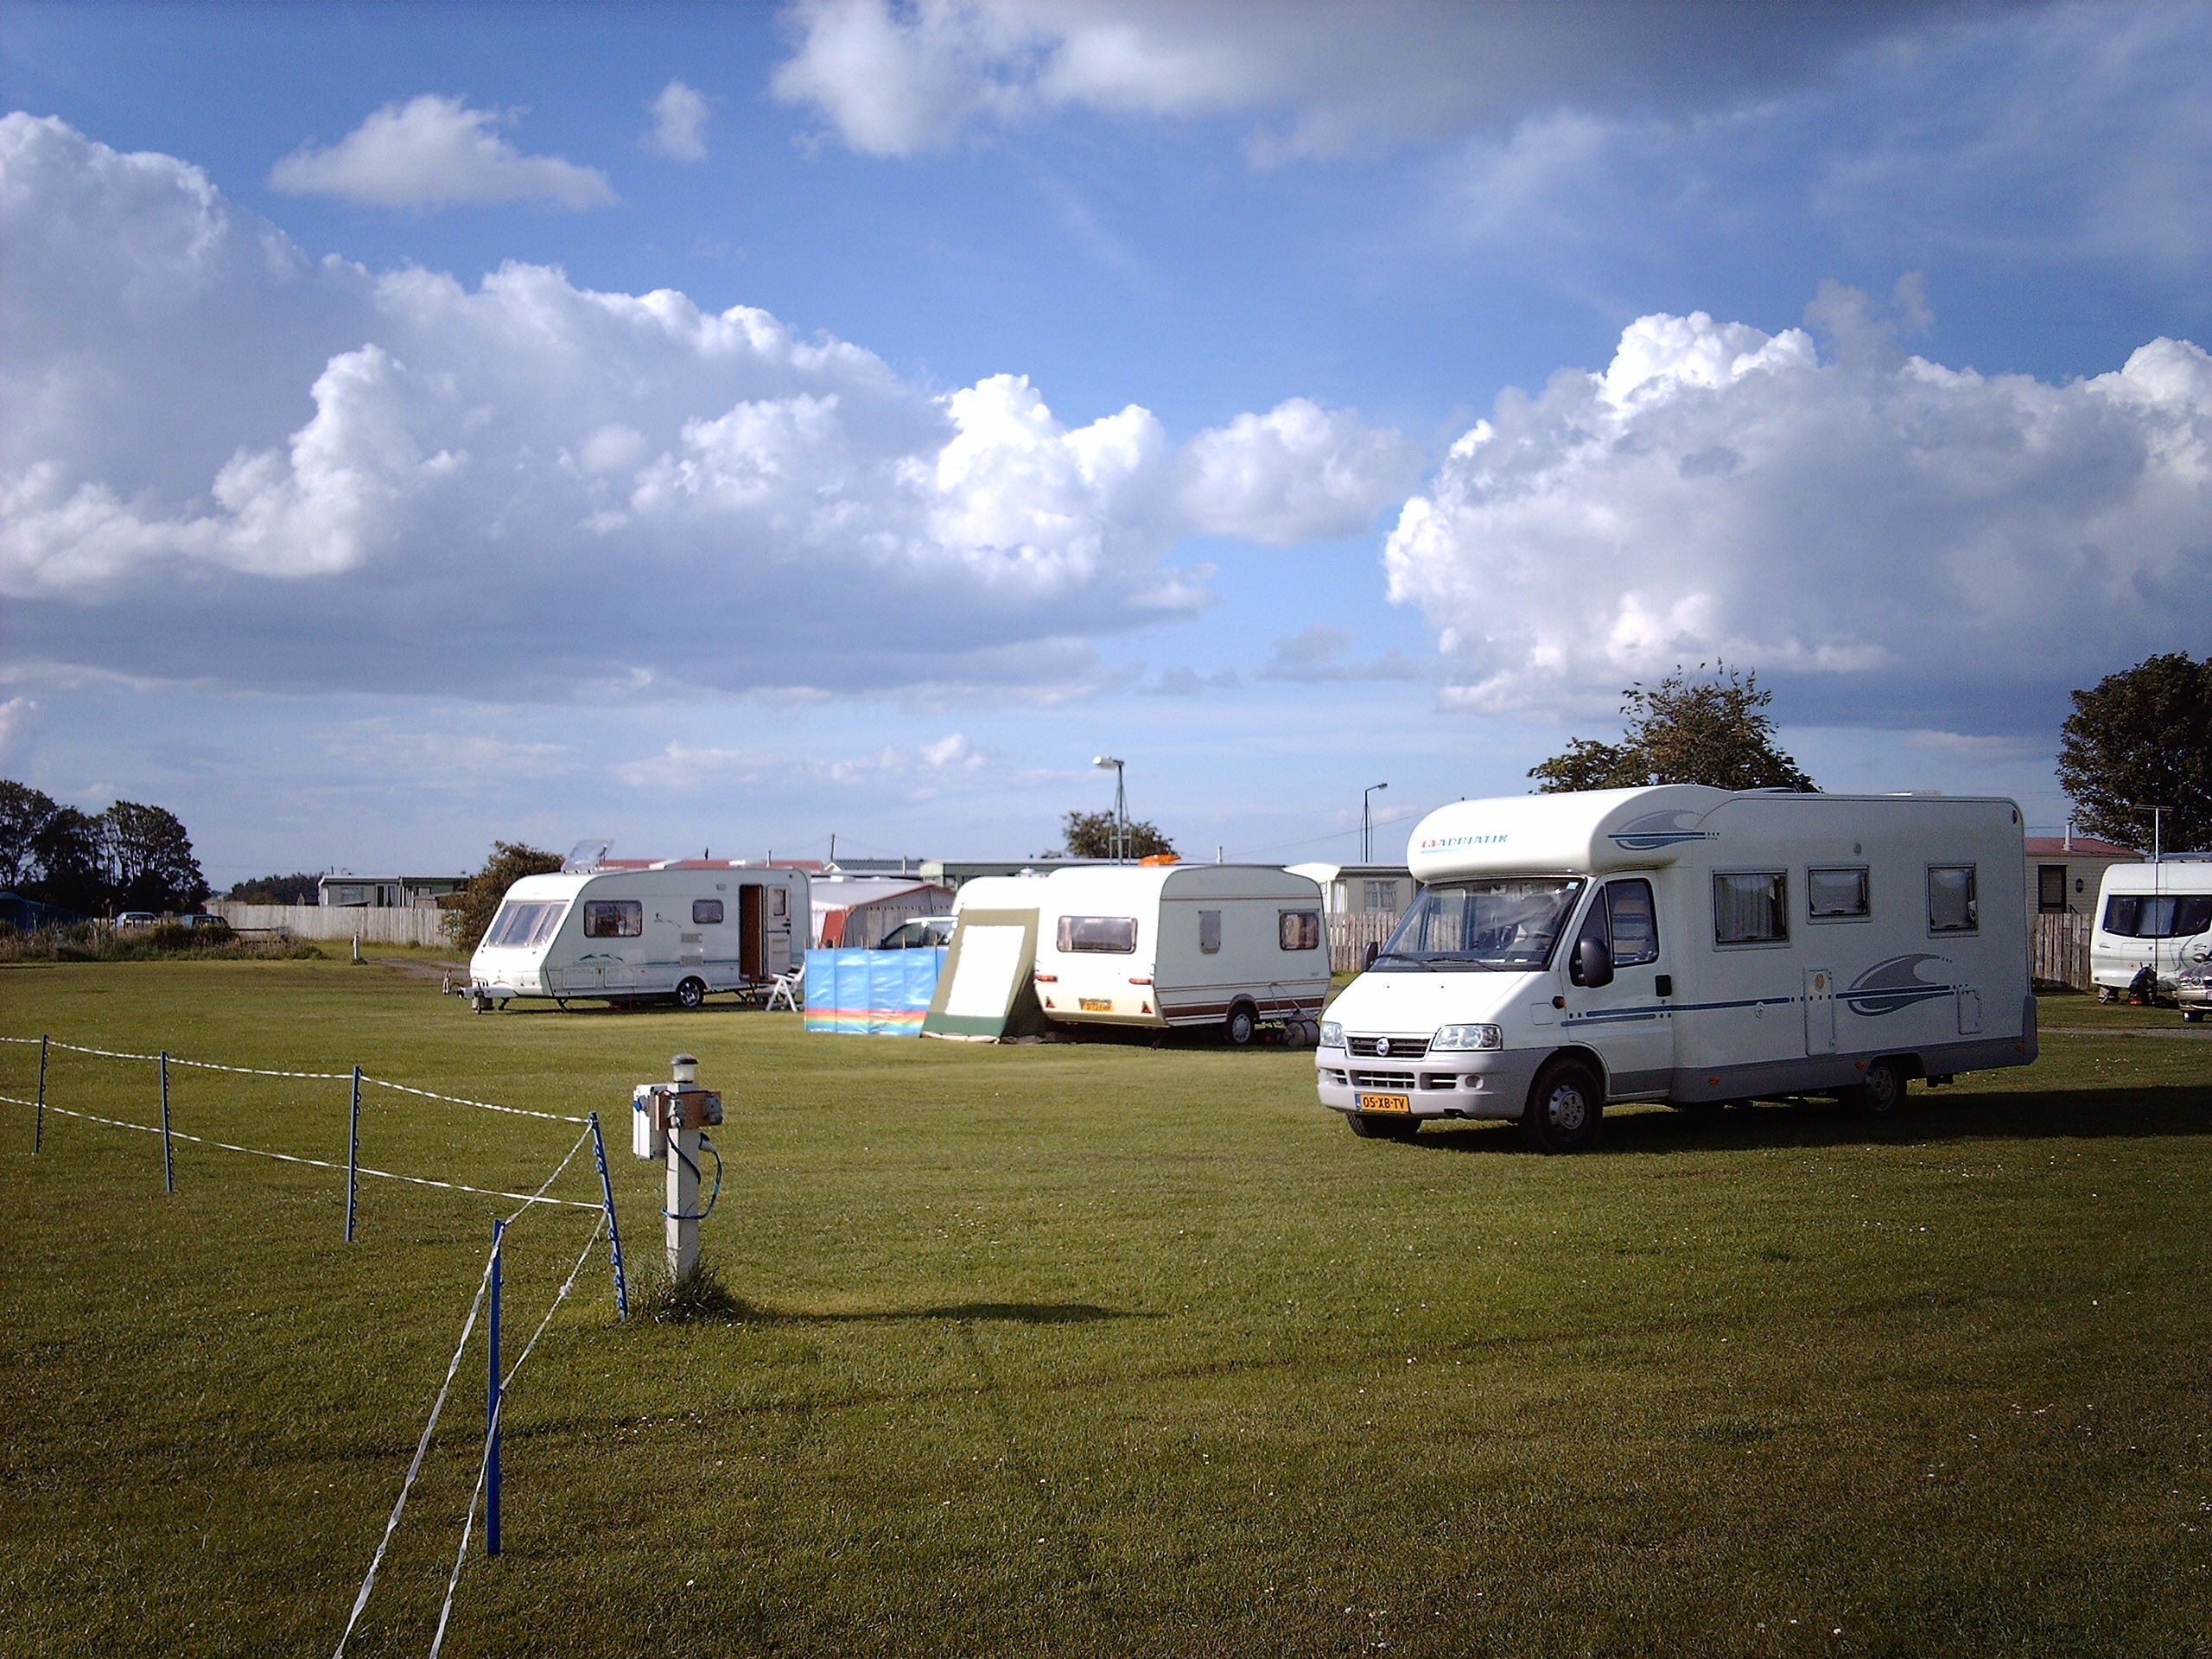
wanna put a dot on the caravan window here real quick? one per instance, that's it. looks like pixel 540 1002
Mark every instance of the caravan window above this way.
pixel 1951 905
pixel 1751 907
pixel 521 923
pixel 1837 895
pixel 706 913
pixel 1108 935
pixel 613 918
pixel 1209 932
pixel 1298 930
pixel 2158 916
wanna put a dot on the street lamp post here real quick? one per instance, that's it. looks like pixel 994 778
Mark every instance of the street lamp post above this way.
pixel 1367 824
pixel 1120 805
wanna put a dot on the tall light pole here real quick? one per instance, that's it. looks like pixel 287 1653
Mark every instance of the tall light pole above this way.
pixel 1367 824
pixel 1121 804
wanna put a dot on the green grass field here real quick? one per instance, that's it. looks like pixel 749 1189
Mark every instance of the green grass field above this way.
pixel 1096 1349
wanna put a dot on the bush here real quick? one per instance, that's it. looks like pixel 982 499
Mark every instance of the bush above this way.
pixel 168 941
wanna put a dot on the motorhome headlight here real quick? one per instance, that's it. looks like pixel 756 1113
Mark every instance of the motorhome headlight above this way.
pixel 1465 1037
pixel 1332 1034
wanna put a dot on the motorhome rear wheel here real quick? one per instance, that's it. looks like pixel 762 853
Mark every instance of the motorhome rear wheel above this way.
pixel 1882 1093
pixel 1564 1107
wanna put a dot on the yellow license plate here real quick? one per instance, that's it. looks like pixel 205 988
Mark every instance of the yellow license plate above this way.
pixel 1095 1004
pixel 1385 1104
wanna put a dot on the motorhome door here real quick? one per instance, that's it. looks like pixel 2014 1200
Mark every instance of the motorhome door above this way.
pixel 1627 1022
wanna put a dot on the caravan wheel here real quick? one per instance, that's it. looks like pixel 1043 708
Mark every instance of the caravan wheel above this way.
pixel 1241 1025
pixel 691 993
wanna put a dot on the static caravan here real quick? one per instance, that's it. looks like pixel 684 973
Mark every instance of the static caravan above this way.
pixel 1690 945
pixel 1225 945
pixel 680 930
pixel 2155 915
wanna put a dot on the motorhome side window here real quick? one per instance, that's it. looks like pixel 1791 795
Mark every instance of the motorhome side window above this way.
pixel 2158 916
pixel 1298 930
pixel 613 918
pixel 706 913
pixel 1107 935
pixel 1624 918
pixel 1952 907
pixel 1836 895
pixel 1210 931
pixel 1751 907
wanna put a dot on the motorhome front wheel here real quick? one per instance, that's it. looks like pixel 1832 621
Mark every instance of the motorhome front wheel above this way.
pixel 1564 1108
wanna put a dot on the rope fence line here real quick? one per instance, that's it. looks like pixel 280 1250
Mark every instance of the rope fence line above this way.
pixel 527 1198
pixel 492 1432
pixel 481 1105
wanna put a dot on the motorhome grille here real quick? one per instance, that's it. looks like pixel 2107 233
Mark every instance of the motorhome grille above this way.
pixel 1401 1048
pixel 1382 1079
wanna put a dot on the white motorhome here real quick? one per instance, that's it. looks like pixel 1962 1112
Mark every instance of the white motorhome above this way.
pixel 2157 915
pixel 682 929
pixel 1171 944
pixel 1690 945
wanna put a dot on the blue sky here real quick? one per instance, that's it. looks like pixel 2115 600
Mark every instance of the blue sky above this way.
pixel 1417 377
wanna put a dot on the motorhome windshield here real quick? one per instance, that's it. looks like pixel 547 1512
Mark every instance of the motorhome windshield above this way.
pixel 523 923
pixel 2158 916
pixel 1498 925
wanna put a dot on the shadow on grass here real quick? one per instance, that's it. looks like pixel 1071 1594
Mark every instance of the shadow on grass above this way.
pixel 961 1313
pixel 1929 1119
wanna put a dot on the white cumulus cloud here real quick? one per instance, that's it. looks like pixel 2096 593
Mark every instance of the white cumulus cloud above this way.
pixel 223 459
pixel 432 152
pixel 1909 536
pixel 679 128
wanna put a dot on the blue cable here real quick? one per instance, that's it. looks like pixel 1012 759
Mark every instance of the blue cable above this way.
pixel 712 1196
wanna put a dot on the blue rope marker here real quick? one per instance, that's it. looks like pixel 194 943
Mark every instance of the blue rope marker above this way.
pixel 492 1408
pixel 38 1129
pixel 352 1153
pixel 613 1237
pixel 168 1157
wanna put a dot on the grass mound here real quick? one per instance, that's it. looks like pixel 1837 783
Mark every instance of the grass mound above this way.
pixel 699 1296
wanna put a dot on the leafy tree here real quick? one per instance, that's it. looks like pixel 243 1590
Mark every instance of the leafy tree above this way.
pixel 1681 731
pixel 297 889
pixel 2139 738
pixel 71 852
pixel 23 813
pixel 1090 834
pixel 150 857
pixel 470 910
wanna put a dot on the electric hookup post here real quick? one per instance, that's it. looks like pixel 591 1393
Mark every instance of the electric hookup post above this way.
pixel 672 1119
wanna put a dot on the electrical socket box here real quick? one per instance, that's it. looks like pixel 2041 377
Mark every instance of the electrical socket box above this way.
pixel 685 1108
pixel 648 1136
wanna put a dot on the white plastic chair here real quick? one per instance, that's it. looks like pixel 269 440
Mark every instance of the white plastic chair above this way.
pixel 791 988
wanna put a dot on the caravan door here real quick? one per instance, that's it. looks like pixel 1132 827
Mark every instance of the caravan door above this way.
pixel 751 915
pixel 1627 1022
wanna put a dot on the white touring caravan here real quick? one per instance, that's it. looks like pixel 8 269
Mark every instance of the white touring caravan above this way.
pixel 679 929
pixel 1166 945
pixel 2157 915
pixel 1690 945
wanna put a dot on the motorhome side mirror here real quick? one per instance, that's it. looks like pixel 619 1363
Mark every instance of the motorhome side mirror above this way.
pixel 1593 963
pixel 1373 951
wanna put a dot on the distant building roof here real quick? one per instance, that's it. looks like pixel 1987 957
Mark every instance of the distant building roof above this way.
pixel 2080 847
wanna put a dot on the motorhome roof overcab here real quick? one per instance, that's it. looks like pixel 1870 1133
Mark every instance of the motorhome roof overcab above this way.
pixel 1690 946
pixel 678 932
pixel 2156 915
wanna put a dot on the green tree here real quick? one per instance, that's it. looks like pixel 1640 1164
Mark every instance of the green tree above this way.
pixel 297 889
pixel 470 910
pixel 1090 834
pixel 71 852
pixel 1707 730
pixel 150 857
pixel 2139 738
pixel 23 813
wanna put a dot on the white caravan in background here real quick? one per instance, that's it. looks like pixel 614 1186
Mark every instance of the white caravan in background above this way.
pixel 2155 915
pixel 1690 945
pixel 1171 944
pixel 682 930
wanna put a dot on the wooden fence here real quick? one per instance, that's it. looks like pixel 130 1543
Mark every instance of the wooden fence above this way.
pixel 2058 949
pixel 1352 933
pixel 401 925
